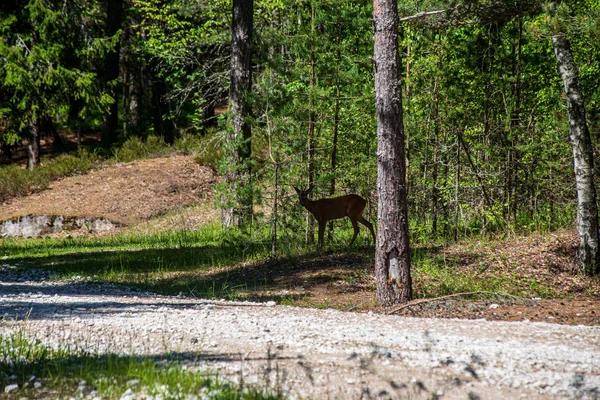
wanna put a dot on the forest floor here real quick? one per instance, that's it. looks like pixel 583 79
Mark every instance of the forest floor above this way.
pixel 176 193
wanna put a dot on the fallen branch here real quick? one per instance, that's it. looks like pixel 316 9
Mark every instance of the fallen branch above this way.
pixel 425 14
pixel 418 302
pixel 474 13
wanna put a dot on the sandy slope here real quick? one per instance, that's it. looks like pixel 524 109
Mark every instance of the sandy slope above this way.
pixel 125 193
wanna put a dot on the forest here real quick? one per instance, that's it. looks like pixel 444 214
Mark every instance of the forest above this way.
pixel 182 148
pixel 486 121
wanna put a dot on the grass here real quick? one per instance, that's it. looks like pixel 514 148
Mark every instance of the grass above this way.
pixel 231 264
pixel 43 372
pixel 435 278
pixel 144 261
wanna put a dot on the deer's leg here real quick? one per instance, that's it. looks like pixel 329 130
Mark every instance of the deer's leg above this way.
pixel 321 233
pixel 356 230
pixel 366 223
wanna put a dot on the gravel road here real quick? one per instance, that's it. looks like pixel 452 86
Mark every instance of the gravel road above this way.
pixel 307 353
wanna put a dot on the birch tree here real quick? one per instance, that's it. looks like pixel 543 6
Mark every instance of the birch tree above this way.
pixel 588 257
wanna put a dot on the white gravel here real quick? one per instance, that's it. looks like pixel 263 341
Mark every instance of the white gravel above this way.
pixel 307 353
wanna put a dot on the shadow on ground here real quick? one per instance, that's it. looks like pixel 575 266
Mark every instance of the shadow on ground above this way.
pixel 204 271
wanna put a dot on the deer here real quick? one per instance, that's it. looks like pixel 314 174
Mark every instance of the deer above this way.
pixel 324 210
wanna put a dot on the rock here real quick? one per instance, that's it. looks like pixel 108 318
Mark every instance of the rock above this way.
pixel 132 383
pixel 38 225
pixel 11 388
pixel 128 395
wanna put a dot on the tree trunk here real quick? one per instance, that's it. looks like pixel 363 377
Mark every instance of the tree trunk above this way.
pixel 161 107
pixel 435 193
pixel 336 117
pixel 310 221
pixel 114 12
pixel 274 210
pixel 134 109
pixel 33 148
pixel 392 253
pixel 515 120
pixel 79 131
pixel 587 209
pixel 239 136
pixel 49 129
pixel 456 188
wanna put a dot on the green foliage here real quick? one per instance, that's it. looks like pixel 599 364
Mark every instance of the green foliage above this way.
pixel 47 67
pixel 208 149
pixel 484 116
pixel 185 43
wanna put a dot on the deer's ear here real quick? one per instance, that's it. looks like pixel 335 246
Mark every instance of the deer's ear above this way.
pixel 296 189
pixel 309 189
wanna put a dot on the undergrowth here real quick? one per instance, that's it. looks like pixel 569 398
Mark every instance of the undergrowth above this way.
pixel 16 181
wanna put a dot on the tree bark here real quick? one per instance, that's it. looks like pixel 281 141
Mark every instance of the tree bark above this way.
pixel 310 221
pixel 33 148
pixel 588 257
pixel 457 187
pixel 239 136
pixel 392 253
pixel 135 105
pixel 114 13
pixel 274 210
pixel 336 117
pixel 161 107
pixel 48 127
pixel 435 193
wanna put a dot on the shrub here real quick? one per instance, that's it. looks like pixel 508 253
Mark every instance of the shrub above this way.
pixel 210 150
pixel 134 149
pixel 16 181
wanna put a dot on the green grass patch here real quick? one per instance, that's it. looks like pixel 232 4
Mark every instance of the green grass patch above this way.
pixel 434 279
pixel 436 274
pixel 43 372
pixel 210 263
pixel 233 264
pixel 207 148
pixel 150 262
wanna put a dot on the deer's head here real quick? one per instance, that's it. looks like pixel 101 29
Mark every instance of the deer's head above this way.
pixel 303 194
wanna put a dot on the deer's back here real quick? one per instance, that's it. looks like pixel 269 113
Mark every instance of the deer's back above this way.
pixel 339 207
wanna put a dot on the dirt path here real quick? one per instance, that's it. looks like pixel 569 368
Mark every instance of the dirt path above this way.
pixel 317 354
